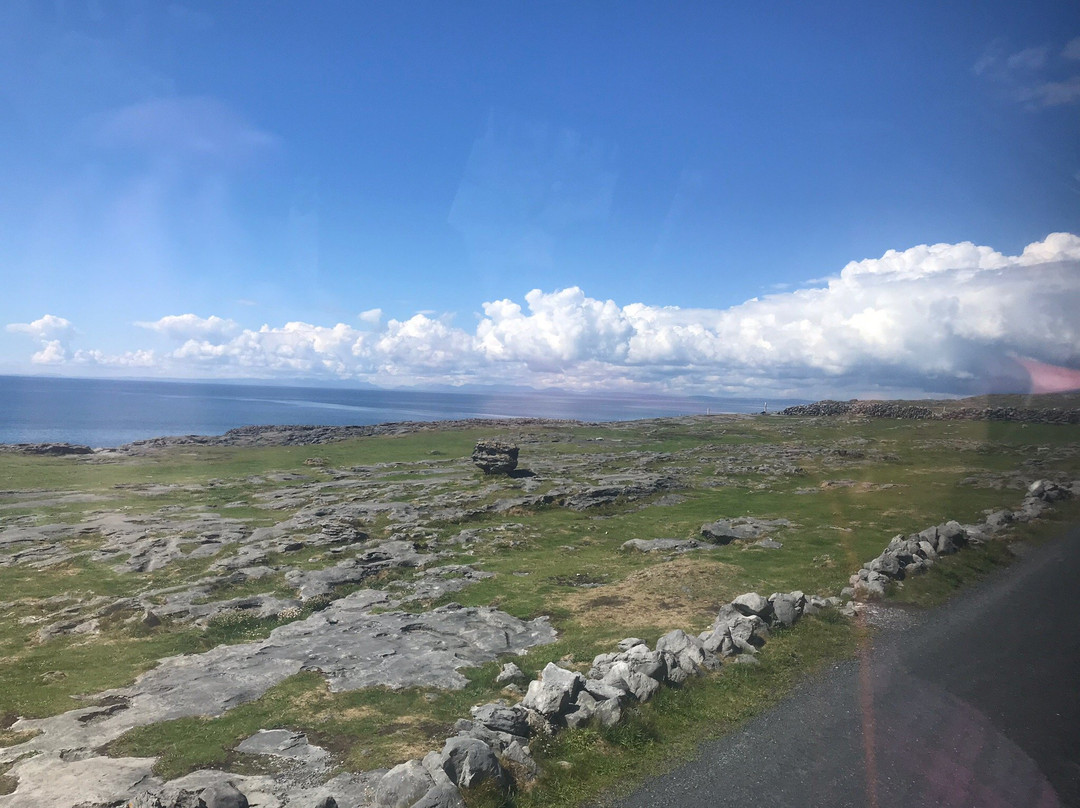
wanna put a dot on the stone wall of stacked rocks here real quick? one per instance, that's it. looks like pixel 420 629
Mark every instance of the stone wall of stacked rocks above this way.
pixel 899 409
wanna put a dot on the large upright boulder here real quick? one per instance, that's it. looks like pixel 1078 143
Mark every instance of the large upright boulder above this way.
pixel 495 456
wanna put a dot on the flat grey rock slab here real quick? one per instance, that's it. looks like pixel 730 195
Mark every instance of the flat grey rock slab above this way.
pixel 768 544
pixel 284 743
pixel 45 780
pixel 724 531
pixel 661 545
pixel 348 644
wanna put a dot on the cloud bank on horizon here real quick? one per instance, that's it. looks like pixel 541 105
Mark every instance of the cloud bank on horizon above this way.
pixel 942 318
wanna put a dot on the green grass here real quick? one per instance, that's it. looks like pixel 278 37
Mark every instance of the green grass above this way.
pixel 904 476
pixel 365 729
pixel 41 679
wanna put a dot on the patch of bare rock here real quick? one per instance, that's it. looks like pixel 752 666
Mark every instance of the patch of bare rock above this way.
pixel 307 435
pixel 725 531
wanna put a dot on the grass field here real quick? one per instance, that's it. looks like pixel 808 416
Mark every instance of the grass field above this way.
pixel 845 485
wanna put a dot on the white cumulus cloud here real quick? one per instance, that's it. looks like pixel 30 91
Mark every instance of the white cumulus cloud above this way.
pixel 213 329
pixel 561 328
pixel 52 332
pixel 371 316
pixel 48 327
pixel 937 318
pixel 52 352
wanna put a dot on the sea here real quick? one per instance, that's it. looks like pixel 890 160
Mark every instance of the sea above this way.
pixel 110 412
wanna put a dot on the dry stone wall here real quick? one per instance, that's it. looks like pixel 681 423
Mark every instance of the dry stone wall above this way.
pixel 899 409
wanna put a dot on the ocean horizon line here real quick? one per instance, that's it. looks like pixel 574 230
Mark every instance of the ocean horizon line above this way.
pixel 112 412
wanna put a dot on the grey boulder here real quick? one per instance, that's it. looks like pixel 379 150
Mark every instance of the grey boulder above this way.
pixel 500 718
pixel 734 631
pixel 403 785
pixel 469 762
pixel 724 531
pixel 509 673
pixel 689 652
pixel 583 709
pixel 623 676
pixel 223 795
pixel 440 795
pixel 751 603
pixel 886 564
pixel 602 691
pixel 552 693
pixel 787 608
pixel 609 712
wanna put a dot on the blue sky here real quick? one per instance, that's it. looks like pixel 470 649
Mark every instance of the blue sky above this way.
pixel 395 178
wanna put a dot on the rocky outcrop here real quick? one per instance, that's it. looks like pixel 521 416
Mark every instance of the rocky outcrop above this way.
pixel 495 457
pixel 625 490
pixel 223 795
pixel 287 745
pixel 353 646
pixel 309 435
pixel 47 449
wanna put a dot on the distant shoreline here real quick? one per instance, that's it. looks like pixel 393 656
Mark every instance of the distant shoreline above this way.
pixel 141 416
pixel 116 413
pixel 1049 409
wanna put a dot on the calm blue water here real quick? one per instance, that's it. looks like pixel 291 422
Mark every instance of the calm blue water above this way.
pixel 102 412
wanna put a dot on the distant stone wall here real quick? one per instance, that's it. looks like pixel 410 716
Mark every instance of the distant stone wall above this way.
pixel 900 409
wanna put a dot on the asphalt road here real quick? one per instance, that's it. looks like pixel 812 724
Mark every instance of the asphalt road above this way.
pixel 972 704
